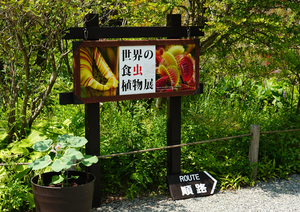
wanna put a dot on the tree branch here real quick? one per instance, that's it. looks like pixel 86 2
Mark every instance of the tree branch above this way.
pixel 208 42
pixel 50 85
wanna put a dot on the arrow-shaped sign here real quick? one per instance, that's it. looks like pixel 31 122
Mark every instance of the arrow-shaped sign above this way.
pixel 189 185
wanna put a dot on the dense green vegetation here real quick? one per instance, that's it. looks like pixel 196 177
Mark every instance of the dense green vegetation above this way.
pixel 249 65
pixel 128 126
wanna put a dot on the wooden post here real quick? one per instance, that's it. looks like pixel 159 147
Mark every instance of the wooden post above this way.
pixel 92 128
pixel 174 119
pixel 254 148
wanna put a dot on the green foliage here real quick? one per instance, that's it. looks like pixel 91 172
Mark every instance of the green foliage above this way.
pixel 228 107
pixel 249 63
pixel 31 57
pixel 14 196
pixel 125 127
pixel 15 189
pixel 60 156
pixel 235 181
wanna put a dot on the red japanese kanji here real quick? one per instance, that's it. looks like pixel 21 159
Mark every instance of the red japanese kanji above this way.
pixel 137 70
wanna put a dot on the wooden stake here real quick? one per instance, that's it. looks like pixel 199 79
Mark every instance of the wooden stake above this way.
pixel 254 148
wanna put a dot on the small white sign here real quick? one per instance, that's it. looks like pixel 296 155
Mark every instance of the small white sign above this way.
pixel 136 69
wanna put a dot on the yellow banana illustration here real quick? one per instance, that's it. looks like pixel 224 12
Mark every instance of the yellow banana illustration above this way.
pixel 86 70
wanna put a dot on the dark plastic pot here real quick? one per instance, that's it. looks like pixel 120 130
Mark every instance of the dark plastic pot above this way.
pixel 57 199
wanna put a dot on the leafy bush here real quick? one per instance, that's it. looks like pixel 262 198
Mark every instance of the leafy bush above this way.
pixel 15 196
pixel 15 193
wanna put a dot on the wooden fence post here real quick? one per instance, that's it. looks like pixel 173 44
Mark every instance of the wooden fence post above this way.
pixel 254 148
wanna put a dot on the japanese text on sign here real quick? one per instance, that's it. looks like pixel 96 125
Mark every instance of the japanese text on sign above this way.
pixel 187 190
pixel 136 69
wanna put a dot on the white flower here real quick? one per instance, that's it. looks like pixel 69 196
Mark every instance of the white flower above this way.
pixel 57 147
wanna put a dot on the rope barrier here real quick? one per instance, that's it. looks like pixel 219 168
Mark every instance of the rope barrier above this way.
pixel 17 164
pixel 279 131
pixel 174 146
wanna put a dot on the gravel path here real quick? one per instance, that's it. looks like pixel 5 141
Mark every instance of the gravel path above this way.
pixel 277 195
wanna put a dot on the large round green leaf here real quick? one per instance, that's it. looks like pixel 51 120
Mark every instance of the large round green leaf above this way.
pixel 40 163
pixel 42 146
pixel 77 141
pixel 63 138
pixel 61 164
pixel 89 160
pixel 73 154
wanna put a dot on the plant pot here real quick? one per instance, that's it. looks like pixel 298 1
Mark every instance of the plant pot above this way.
pixel 57 199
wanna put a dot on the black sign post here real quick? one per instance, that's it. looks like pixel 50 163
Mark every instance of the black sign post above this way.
pixel 92 128
pixel 174 118
pixel 183 186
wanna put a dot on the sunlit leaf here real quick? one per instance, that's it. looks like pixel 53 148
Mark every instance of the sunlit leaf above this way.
pixel 33 137
pixel 42 146
pixel 40 163
pixel 73 154
pixel 57 179
pixel 77 141
pixel 89 160
pixel 61 164
pixel 63 138
pixel 19 150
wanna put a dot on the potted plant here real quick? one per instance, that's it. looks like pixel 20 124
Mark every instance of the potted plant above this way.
pixel 62 190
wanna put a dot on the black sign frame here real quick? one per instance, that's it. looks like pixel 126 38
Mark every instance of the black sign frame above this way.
pixel 76 68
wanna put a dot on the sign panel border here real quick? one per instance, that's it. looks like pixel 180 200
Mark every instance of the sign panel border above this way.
pixel 102 43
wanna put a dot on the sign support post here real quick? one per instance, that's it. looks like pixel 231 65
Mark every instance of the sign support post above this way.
pixel 174 118
pixel 92 128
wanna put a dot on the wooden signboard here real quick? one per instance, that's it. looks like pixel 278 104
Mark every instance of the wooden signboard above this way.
pixel 183 186
pixel 126 70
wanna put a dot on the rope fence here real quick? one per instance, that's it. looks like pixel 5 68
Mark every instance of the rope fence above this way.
pixel 174 146
pixel 279 131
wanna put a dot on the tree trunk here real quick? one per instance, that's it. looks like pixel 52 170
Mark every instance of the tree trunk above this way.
pixel 5 90
pixel 12 107
pixel 187 15
pixel 298 104
pixel 11 122
pixel 25 85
